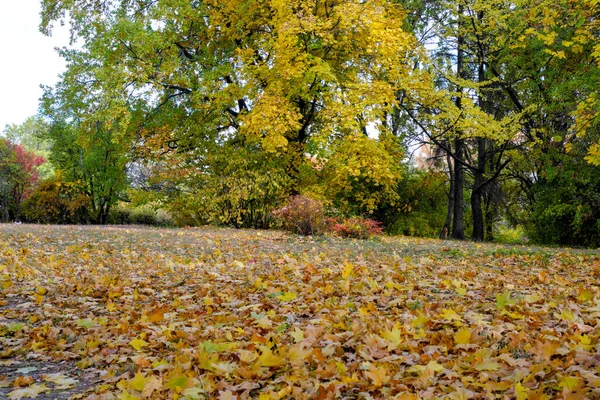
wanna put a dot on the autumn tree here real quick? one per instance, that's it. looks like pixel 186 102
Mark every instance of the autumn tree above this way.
pixel 31 135
pixel 18 177
pixel 183 78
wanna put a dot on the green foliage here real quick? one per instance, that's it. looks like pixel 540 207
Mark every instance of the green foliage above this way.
pixel 56 201
pixel 9 168
pixel 510 235
pixel 567 206
pixel 356 227
pixel 91 157
pixel 239 186
pixel 144 215
pixel 302 215
pixel 359 174
pixel 422 207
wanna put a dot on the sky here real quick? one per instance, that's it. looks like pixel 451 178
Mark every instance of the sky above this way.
pixel 27 59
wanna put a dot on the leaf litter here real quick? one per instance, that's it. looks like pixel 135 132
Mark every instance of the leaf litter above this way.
pixel 143 313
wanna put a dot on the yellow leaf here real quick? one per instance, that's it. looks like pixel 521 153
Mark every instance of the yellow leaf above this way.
pixel 394 337
pixel 521 392
pixel 138 382
pixel 138 344
pixel 287 296
pixel 30 392
pixel 61 381
pixel 179 382
pixel 487 366
pixel 567 315
pixel 128 396
pixel 450 315
pixel 463 336
pixel 585 340
pixel 298 335
pixel 154 383
pixel 348 269
pixel 297 354
pixel 378 376
pixel 110 306
pixel 434 366
pixel 157 314
pixel 569 383
pixel 268 359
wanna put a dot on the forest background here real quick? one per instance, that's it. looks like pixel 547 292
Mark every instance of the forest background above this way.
pixel 455 119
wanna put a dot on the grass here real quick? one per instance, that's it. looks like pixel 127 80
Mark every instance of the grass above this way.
pixel 134 312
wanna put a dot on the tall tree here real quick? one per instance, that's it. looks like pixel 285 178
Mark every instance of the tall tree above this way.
pixel 180 75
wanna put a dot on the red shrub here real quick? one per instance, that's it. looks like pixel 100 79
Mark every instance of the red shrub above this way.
pixel 360 228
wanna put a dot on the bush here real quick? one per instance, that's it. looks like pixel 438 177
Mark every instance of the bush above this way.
pixel 421 210
pixel 508 235
pixel 302 215
pixel 359 228
pixel 139 216
pixel 57 202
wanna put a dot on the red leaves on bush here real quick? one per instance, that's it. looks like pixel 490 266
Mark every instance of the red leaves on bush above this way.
pixel 360 228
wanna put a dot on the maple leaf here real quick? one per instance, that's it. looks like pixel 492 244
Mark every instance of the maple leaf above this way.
pixel 151 385
pixel 30 392
pixel 297 354
pixel 287 296
pixel 378 376
pixel 179 381
pixel 394 337
pixel 348 270
pixel 24 380
pixel 487 365
pixel 61 381
pixel 268 359
pixel 463 336
pixel 138 344
pixel 138 382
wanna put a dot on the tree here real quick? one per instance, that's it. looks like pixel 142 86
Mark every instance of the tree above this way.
pixel 30 134
pixel 287 76
pixel 18 177
pixel 91 160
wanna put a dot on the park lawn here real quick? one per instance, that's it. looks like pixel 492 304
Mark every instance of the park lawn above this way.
pixel 133 312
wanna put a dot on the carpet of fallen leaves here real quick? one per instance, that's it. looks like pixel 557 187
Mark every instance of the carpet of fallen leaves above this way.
pixel 140 313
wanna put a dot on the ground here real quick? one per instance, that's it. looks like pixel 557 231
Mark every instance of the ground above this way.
pixel 131 312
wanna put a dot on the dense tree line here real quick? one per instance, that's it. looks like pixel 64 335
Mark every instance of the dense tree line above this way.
pixel 219 112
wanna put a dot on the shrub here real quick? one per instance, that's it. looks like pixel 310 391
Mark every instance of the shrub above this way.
pixel 359 228
pixel 421 210
pixel 508 235
pixel 139 216
pixel 302 215
pixel 57 202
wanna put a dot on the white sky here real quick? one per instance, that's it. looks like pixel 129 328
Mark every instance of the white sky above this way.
pixel 27 59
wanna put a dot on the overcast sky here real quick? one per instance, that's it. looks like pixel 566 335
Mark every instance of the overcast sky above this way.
pixel 27 59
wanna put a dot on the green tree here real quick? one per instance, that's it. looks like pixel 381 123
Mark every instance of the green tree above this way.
pixel 93 161
pixel 286 76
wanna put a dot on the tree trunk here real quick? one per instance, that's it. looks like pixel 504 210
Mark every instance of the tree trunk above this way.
pixel 476 209
pixel 445 232
pixel 478 184
pixel 458 225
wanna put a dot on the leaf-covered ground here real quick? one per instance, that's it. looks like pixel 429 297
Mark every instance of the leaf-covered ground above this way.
pixel 130 313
